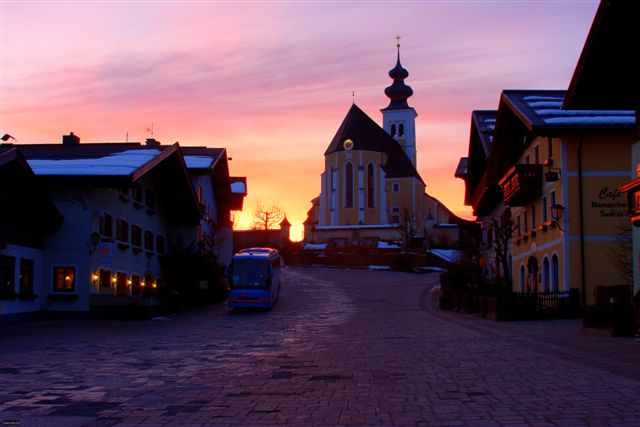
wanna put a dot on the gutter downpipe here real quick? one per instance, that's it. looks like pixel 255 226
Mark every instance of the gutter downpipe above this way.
pixel 583 281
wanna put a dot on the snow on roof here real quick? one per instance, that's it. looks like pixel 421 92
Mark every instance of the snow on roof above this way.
pixel 117 164
pixel 386 245
pixel 198 162
pixel 238 187
pixel 314 246
pixel 449 255
pixel 595 120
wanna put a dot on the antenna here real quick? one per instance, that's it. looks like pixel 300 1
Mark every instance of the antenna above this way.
pixel 353 96
pixel 150 129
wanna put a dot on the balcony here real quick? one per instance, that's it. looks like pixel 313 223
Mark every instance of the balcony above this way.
pixel 632 188
pixel 521 185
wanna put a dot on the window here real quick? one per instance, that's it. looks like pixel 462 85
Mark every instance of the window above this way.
pixel 199 193
pixel 533 217
pixel 393 129
pixel 148 240
pixel 555 278
pixel 401 129
pixel 518 231
pixel 105 278
pixel 7 276
pixel 26 276
pixel 536 154
pixel 348 184
pixel 122 230
pixel 106 225
pixel 395 215
pixel 544 209
pixel 525 220
pixel 64 279
pixel 137 193
pixel 160 244
pixel 545 274
pixel 396 187
pixel 150 198
pixel 371 186
pixel 136 235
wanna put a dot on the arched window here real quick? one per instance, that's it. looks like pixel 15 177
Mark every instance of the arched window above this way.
pixel 371 187
pixel 555 277
pixel 545 274
pixel 522 278
pixel 348 184
pixel 401 129
pixel 393 129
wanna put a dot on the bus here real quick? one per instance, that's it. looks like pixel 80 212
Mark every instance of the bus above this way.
pixel 254 278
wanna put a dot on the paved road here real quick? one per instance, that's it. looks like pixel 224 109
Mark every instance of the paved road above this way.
pixel 346 347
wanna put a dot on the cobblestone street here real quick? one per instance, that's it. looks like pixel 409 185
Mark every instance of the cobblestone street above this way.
pixel 348 347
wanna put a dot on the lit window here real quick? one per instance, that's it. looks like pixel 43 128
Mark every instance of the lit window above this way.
pixel 64 279
pixel 26 276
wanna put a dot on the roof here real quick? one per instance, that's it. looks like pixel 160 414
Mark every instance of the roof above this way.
pixel 541 111
pixel 203 158
pixel 480 142
pixel 367 135
pixel 606 75
pixel 461 169
pixel 485 123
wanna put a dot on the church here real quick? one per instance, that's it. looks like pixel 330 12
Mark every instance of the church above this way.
pixel 371 192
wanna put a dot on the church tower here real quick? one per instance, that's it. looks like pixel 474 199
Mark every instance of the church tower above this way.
pixel 398 118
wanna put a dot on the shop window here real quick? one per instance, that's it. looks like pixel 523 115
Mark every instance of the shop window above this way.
pixel 135 285
pixel 26 276
pixel 121 284
pixel 64 279
pixel 7 276
pixel 106 225
pixel 348 190
pixel 160 244
pixel 148 240
pixel 105 278
pixel 122 230
pixel 136 236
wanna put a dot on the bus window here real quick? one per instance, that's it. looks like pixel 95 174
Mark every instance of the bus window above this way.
pixel 249 273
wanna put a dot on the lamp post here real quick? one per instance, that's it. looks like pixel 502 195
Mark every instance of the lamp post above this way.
pixel 557 212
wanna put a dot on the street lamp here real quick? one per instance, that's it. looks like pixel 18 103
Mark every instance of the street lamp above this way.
pixel 557 211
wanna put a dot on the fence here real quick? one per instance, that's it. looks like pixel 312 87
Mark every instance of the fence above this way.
pixel 546 304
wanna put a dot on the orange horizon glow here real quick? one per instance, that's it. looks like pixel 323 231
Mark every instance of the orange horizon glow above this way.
pixel 273 86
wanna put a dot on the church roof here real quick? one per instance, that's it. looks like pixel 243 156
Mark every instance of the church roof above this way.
pixel 369 136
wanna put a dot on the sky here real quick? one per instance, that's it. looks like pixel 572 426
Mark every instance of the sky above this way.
pixel 271 81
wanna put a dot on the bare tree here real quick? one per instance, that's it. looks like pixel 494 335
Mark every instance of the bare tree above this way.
pixel 622 255
pixel 503 229
pixel 408 226
pixel 267 217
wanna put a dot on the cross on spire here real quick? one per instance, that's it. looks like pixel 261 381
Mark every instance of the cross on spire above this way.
pixel 398 39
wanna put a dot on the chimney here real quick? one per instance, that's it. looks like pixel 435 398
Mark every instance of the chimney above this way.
pixel 70 139
pixel 151 142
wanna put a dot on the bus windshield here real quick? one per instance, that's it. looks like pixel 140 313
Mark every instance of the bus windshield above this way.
pixel 249 273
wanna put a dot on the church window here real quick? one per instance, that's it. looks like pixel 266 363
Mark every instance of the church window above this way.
pixel 393 129
pixel 348 194
pixel 401 129
pixel 371 203
pixel 396 187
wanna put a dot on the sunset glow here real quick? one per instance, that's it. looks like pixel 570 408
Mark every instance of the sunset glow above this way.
pixel 272 82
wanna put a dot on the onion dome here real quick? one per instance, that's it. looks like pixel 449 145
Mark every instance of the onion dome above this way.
pixel 398 92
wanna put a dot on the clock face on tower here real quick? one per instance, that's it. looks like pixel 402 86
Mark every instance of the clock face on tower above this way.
pixel 348 144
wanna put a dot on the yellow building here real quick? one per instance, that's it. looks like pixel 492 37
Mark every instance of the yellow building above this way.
pixel 558 171
pixel 370 188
